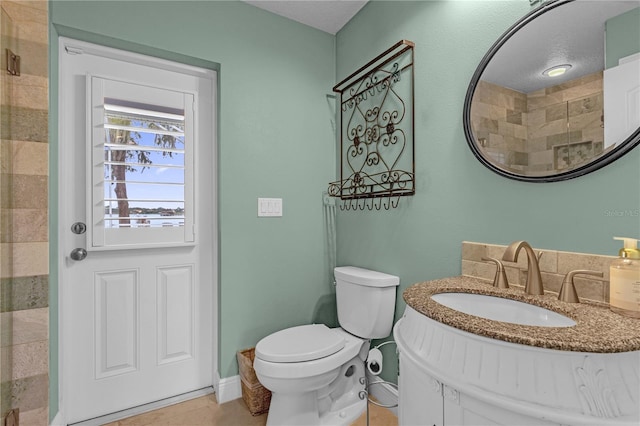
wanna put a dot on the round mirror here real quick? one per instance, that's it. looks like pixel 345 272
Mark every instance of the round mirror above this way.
pixel 553 98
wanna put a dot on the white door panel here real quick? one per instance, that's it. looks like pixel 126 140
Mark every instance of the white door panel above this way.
pixel 137 325
pixel 621 102
pixel 117 324
pixel 176 315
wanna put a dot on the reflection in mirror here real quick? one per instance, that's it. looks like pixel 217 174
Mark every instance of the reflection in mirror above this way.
pixel 550 101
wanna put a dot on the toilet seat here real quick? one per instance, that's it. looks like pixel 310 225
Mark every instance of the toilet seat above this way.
pixel 300 344
pixel 353 345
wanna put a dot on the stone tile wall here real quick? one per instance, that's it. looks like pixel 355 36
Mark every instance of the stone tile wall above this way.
pixel 529 133
pixel 578 103
pixel 24 268
pixel 497 115
pixel 554 265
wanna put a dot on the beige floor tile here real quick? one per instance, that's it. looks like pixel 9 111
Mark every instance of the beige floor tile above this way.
pixel 206 411
pixel 377 417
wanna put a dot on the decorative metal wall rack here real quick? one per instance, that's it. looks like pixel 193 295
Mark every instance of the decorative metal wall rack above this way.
pixel 377 162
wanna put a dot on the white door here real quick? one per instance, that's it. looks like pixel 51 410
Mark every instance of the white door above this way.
pixel 621 101
pixel 137 280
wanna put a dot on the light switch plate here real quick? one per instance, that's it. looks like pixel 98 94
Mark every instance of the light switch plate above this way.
pixel 269 207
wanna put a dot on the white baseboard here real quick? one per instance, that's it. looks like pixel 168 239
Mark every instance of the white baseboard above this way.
pixel 228 389
pixel 58 420
pixel 383 392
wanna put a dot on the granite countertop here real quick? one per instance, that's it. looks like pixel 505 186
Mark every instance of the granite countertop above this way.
pixel 597 328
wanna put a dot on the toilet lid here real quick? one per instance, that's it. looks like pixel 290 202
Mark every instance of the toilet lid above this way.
pixel 297 344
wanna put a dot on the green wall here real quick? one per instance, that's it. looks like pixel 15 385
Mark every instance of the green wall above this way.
pixel 457 198
pixel 275 140
pixel 623 36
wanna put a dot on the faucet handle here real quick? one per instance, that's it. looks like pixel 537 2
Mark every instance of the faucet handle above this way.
pixel 500 280
pixel 568 290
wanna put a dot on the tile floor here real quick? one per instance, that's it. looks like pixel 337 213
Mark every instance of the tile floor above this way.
pixel 206 411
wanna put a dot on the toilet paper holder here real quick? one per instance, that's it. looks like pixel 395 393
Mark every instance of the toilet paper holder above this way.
pixel 374 362
pixel 374 365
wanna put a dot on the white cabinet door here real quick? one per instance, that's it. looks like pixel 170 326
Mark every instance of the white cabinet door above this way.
pixel 425 401
pixel 461 409
pixel 420 396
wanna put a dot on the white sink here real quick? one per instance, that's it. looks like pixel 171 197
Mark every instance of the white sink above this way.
pixel 500 309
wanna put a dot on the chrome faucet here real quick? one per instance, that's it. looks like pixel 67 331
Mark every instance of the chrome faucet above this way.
pixel 534 280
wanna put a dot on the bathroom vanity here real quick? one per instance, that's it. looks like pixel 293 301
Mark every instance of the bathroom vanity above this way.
pixel 458 369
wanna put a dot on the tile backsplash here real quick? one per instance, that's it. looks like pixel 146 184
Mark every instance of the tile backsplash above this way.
pixel 554 266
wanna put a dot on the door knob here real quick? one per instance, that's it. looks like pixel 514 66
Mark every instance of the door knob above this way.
pixel 78 254
pixel 78 228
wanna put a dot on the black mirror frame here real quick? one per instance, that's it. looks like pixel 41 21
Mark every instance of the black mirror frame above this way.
pixel 624 147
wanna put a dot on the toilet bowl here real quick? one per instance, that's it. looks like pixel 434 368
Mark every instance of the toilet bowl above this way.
pixel 311 387
pixel 316 374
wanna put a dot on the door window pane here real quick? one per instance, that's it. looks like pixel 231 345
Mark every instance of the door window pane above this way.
pixel 144 166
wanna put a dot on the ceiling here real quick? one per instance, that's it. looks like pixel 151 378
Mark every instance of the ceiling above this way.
pixel 537 47
pixel 326 15
pixel 571 34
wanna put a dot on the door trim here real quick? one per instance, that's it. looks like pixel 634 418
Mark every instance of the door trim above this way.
pixel 80 47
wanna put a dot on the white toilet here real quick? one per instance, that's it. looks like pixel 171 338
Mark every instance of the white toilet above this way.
pixel 315 373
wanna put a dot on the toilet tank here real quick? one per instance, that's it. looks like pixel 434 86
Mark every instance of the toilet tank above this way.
pixel 366 301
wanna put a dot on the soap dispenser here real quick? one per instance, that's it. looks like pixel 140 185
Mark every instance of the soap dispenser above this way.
pixel 624 281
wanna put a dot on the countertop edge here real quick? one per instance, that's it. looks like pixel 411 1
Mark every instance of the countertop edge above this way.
pixel 597 329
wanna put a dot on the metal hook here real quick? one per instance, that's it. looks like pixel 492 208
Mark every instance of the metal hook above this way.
pixel 370 203
pixel 387 203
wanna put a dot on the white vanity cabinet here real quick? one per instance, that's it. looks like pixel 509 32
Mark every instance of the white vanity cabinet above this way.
pixel 451 377
pixel 427 401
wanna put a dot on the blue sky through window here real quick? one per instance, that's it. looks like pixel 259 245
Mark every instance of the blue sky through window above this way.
pixel 152 172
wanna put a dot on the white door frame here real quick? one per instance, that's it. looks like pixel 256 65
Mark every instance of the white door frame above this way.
pixel 62 195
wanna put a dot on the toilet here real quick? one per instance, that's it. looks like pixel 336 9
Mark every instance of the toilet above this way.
pixel 316 373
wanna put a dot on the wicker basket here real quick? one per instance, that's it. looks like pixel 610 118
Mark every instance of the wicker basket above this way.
pixel 256 396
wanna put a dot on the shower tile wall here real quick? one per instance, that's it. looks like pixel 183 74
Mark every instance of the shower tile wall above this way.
pixel 529 132
pixel 497 115
pixel 24 268
pixel 581 101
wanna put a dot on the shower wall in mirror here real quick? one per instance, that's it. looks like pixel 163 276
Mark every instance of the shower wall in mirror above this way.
pixel 24 248
pixel 549 129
